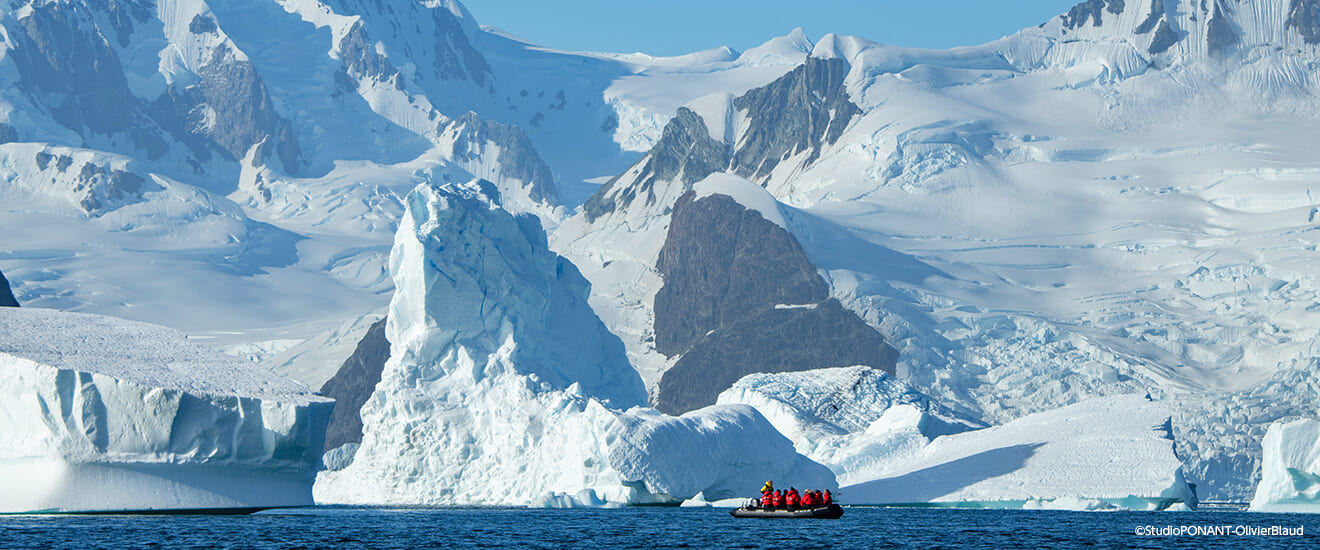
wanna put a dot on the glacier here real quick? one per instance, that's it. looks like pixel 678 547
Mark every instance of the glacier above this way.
pixel 1290 478
pixel 104 415
pixel 504 388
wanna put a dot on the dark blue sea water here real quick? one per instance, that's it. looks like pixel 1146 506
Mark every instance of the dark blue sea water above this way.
pixel 647 528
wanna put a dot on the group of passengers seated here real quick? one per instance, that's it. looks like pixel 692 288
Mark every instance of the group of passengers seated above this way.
pixel 772 499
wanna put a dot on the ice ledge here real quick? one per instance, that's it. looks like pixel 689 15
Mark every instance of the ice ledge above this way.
pixel 57 486
pixel 156 426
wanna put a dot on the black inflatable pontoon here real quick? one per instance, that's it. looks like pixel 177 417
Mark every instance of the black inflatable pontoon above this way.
pixel 833 511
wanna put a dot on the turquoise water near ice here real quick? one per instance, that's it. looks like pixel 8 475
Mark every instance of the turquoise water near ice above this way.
pixel 661 528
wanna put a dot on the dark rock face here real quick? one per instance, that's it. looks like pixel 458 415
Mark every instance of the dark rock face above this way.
pixel 6 295
pixel 1091 10
pixel 353 384
pixel 95 183
pixel 1165 37
pixel 518 159
pixel 685 148
pixel 721 263
pixel 1221 36
pixel 803 110
pixel 232 88
pixel 203 24
pixel 66 61
pixel 1156 15
pixel 1304 17
pixel 360 57
pixel 727 274
pixel 455 58
pixel 7 134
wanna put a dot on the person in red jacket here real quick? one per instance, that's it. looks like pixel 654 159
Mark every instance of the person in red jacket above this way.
pixel 779 499
pixel 808 499
pixel 793 498
pixel 829 499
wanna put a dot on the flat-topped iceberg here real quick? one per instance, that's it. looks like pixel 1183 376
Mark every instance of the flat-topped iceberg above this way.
pixel 504 388
pixel 103 414
pixel 1290 473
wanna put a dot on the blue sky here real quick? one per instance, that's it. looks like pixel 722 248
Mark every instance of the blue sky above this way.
pixel 671 27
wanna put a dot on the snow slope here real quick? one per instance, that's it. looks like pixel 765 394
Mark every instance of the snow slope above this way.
pixel 1291 471
pixel 504 388
pixel 103 414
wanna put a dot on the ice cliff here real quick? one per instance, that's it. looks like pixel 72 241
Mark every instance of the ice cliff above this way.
pixel 1290 473
pixel 504 388
pixel 103 414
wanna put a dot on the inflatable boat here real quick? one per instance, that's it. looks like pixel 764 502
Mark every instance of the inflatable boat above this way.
pixel 833 511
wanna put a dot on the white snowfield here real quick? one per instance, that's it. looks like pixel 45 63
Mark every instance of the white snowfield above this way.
pixel 1114 450
pixel 1290 475
pixel 504 388
pixel 102 414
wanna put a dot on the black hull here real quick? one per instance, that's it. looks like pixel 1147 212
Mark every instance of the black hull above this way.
pixel 833 511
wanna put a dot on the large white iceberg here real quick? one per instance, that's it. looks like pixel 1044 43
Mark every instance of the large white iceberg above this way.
pixel 1115 450
pixel 103 414
pixel 504 388
pixel 849 419
pixel 1290 473
pixel 889 444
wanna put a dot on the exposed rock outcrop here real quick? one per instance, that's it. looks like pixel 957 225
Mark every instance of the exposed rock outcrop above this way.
pixel 352 385
pixel 741 297
pixel 803 111
pixel 686 152
pixel 1304 17
pixel 64 55
pixel 517 158
pixel 1093 11
pixel 6 295
pixel 1222 36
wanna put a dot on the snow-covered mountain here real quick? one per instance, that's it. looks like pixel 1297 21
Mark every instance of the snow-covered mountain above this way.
pixel 1117 201
pixel 1114 202
pixel 250 157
